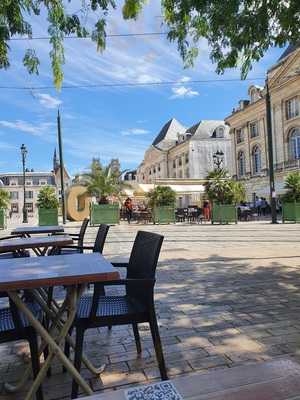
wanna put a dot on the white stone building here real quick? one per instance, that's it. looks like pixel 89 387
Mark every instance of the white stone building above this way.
pixel 34 181
pixel 181 153
pixel 248 129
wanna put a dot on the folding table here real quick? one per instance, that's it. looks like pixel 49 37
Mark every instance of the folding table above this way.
pixel 39 244
pixel 28 231
pixel 33 274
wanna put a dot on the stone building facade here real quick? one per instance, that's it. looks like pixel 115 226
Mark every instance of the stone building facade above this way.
pixel 180 153
pixel 248 128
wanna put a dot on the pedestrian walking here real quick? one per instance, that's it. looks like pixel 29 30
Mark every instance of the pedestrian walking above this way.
pixel 206 210
pixel 128 208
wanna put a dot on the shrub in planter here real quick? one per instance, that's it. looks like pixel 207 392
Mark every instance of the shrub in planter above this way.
pixel 291 199
pixel 162 202
pixel 4 203
pixel 104 184
pixel 47 206
pixel 224 193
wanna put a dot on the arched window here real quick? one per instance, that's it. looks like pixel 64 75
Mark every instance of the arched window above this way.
pixel 241 164
pixel 294 144
pixel 256 160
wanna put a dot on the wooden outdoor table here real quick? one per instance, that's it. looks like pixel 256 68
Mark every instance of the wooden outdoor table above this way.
pixel 272 380
pixel 27 231
pixel 73 271
pixel 38 244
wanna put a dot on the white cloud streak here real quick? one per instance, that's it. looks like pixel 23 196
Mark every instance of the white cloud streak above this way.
pixel 48 101
pixel 134 131
pixel 27 127
pixel 183 92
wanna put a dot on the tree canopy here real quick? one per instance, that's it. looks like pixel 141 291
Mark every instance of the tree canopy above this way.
pixel 238 32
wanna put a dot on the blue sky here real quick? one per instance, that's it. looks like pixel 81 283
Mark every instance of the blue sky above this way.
pixel 110 122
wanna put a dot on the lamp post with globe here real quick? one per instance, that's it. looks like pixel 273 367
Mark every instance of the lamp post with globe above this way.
pixel 24 154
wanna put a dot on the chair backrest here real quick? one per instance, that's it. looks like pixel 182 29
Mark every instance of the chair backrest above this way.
pixel 100 238
pixel 82 231
pixel 143 261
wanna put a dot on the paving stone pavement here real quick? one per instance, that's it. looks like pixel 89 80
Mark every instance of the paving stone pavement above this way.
pixel 225 296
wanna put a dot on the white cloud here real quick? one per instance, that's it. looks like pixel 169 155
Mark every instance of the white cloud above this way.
pixel 27 127
pixel 184 79
pixel 134 131
pixel 146 78
pixel 48 101
pixel 182 92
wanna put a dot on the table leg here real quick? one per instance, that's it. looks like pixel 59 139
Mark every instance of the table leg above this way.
pixel 55 350
pixel 51 313
pixel 15 388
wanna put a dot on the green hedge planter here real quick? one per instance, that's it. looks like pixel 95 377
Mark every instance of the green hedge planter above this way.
pixel 223 214
pixel 104 214
pixel 290 212
pixel 48 217
pixel 164 215
pixel 2 219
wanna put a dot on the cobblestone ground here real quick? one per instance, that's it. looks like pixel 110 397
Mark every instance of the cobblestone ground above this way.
pixel 225 296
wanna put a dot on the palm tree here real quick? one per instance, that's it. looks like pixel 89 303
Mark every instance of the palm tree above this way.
pixel 102 182
pixel 292 184
pixel 222 189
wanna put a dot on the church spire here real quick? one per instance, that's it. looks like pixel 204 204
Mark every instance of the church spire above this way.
pixel 55 161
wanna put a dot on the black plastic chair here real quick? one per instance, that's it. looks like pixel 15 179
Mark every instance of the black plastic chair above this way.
pixel 15 326
pixel 13 254
pixel 136 306
pixel 79 237
pixel 96 248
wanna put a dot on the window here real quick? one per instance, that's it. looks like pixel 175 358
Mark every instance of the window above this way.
pixel 158 168
pixel 29 194
pixel 252 96
pixel 256 160
pixel 294 144
pixel 254 129
pixel 29 207
pixel 28 183
pixel 14 195
pixel 292 108
pixel 42 183
pixel 239 135
pixel 180 162
pixel 174 164
pixel 180 174
pixel 187 173
pixel 13 183
pixel 14 207
pixel 187 158
pixel 241 164
pixel 220 132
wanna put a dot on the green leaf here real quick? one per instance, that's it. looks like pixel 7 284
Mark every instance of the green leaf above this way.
pixel 31 61
pixel 99 34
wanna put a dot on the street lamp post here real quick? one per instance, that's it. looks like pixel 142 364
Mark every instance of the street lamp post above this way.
pixel 24 153
pixel 218 159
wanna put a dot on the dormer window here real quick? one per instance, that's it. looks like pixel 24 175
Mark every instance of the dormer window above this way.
pixel 220 132
pixel 253 96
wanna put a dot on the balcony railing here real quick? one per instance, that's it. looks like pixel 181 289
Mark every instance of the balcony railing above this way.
pixel 290 164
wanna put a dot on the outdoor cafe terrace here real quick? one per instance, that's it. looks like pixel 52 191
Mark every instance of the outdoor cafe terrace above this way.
pixel 226 297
